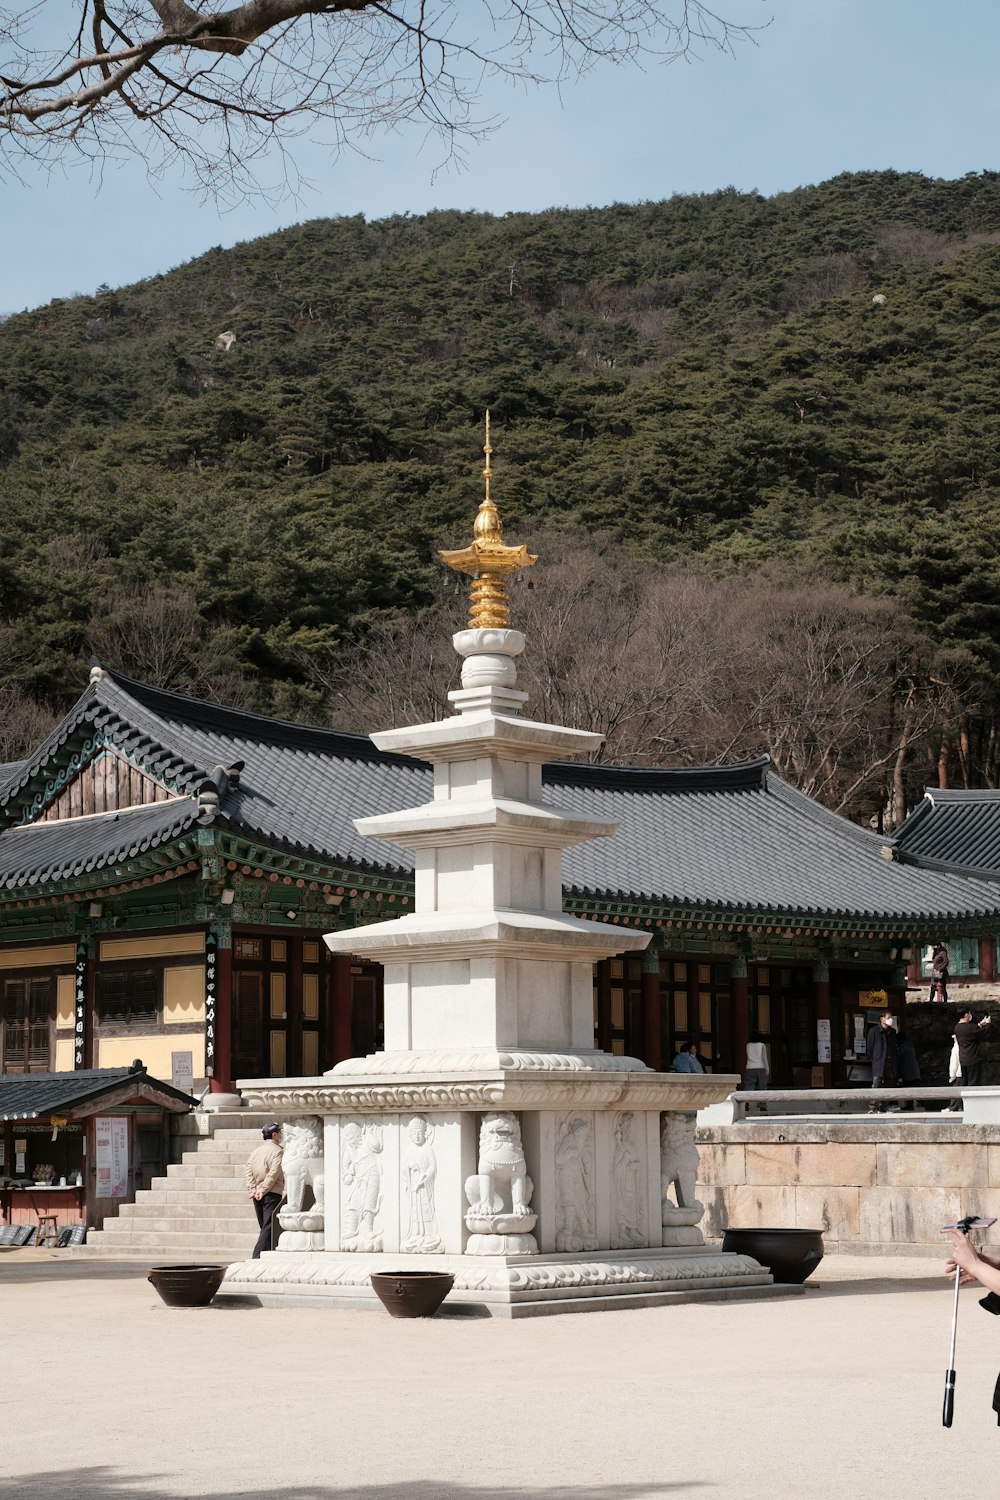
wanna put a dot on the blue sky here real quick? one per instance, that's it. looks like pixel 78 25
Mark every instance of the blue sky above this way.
pixel 831 86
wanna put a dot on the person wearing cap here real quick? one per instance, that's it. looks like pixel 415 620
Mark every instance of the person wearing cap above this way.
pixel 265 1182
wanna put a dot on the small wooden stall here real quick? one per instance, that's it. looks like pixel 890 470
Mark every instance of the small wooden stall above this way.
pixel 75 1146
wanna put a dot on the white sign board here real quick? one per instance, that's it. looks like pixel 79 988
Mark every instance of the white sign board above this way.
pixel 823 1053
pixel 102 1147
pixel 182 1071
pixel 119 1157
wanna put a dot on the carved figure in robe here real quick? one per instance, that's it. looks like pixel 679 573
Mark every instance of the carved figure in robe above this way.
pixel 361 1175
pixel 574 1199
pixel 419 1174
pixel 628 1186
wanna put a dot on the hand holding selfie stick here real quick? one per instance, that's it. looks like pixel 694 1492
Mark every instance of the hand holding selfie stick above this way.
pixel 972 1221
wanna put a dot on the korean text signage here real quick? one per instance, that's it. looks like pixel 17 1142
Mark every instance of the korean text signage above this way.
pixel 80 1005
pixel 211 995
pixel 111 1142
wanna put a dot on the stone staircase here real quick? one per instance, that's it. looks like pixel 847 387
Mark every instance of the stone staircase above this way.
pixel 200 1211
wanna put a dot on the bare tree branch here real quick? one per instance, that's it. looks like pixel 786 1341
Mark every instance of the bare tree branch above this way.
pixel 215 85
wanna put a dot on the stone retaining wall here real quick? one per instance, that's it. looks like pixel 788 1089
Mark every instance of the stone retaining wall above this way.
pixel 874 1185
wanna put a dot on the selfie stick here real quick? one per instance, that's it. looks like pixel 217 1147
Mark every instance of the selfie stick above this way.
pixel 971 1221
pixel 949 1379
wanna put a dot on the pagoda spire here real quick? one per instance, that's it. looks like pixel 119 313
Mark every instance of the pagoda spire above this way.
pixel 487 559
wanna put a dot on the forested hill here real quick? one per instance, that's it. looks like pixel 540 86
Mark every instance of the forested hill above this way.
pixel 722 379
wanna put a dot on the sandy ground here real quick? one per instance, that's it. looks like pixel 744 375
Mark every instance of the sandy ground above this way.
pixel 107 1393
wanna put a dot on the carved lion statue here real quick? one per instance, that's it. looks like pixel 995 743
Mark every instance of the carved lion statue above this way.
pixel 502 1184
pixel 678 1160
pixel 302 1162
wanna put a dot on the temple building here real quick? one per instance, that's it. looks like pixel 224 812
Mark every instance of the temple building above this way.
pixel 168 867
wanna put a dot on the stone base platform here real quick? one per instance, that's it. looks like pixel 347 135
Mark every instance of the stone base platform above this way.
pixel 511 1286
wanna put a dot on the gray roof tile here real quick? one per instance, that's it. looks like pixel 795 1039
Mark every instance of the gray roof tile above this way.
pixel 40 852
pixel 955 830
pixel 33 1095
pixel 731 837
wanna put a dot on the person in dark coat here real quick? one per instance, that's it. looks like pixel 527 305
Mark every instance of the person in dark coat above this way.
pixel 884 1053
pixel 909 1068
pixel 939 974
pixel 969 1036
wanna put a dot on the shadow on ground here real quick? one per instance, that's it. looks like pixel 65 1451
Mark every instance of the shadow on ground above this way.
pixel 111 1484
pixel 884 1286
pixel 18 1273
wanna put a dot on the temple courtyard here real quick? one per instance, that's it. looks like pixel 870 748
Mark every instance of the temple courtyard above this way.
pixel 108 1395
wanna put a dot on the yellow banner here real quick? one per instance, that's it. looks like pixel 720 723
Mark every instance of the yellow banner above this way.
pixel 879 999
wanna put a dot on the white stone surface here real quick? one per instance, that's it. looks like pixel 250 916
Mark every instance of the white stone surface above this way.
pixel 490 1085
pixel 981 1106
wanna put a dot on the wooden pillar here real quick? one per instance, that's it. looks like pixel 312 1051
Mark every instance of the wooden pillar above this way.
pixel 821 998
pixel 293 1063
pixel 339 1035
pixel 604 1005
pixel 988 959
pixel 739 1001
pixel 222 1080
pixel 652 1043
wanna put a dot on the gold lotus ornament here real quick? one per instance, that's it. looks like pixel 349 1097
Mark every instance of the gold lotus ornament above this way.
pixel 488 560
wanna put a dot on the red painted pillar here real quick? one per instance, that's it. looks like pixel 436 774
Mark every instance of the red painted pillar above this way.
pixel 222 1081
pixel 739 1000
pixel 821 997
pixel 652 1044
pixel 340 1043
pixel 987 959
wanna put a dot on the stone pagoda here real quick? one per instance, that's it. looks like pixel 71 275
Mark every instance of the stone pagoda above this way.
pixel 490 1138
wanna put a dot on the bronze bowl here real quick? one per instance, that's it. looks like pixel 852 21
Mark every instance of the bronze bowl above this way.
pixel 412 1294
pixel 187 1286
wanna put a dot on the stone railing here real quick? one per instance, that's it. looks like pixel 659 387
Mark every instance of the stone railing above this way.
pixel 750 1104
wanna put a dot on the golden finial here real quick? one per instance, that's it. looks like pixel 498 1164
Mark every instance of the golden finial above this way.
pixel 488 560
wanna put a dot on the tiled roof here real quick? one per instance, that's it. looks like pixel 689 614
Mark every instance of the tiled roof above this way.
pixel 299 787
pixel 38 852
pixel 25 1096
pixel 955 830
pixel 741 839
pixel 731 837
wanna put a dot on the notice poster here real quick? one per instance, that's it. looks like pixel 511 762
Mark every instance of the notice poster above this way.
pixel 823 1053
pixel 119 1157
pixel 102 1151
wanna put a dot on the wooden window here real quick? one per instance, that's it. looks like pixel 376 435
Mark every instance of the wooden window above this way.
pixel 279 950
pixel 29 1013
pixel 125 996
pixel 251 948
pixel 310 952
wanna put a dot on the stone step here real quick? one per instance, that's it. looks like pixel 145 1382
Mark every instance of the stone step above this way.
pixel 203 1168
pixel 191 1225
pixel 176 1241
pixel 194 1197
pixel 192 1254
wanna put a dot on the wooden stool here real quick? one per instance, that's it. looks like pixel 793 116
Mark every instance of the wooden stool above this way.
pixel 48 1230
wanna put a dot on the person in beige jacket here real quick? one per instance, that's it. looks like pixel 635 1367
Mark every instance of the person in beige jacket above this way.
pixel 265 1182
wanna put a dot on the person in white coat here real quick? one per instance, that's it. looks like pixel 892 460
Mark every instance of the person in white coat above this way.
pixel 757 1068
pixel 954 1073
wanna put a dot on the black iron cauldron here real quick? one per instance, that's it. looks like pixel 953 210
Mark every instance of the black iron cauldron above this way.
pixel 789 1254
